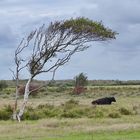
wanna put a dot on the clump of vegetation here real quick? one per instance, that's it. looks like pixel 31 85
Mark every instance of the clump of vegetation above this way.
pixel 136 109
pixel 34 89
pixel 95 113
pixel 114 115
pixel 125 111
pixel 72 101
pixel 3 85
pixel 81 81
pixel 6 112
pixel 61 88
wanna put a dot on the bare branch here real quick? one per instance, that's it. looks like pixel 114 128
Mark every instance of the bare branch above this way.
pixel 13 73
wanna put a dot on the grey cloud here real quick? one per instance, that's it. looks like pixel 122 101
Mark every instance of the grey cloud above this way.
pixel 122 16
pixel 118 11
pixel 7 37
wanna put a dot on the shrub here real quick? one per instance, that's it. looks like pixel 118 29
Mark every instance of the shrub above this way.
pixel 70 104
pixel 3 85
pixel 8 108
pixel 41 111
pixel 125 111
pixel 34 88
pixel 79 89
pixel 4 115
pixel 96 113
pixel 32 115
pixel 42 106
pixel 50 113
pixel 75 112
pixel 72 101
pixel 114 115
pixel 61 88
pixel 6 112
pixel 136 109
pixel 69 114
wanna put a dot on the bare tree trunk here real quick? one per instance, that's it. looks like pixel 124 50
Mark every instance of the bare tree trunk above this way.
pixel 16 97
pixel 26 96
pixel 15 105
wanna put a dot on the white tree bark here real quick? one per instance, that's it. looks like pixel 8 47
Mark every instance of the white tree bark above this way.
pixel 15 106
pixel 26 96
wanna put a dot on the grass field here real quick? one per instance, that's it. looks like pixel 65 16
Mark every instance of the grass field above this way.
pixel 125 127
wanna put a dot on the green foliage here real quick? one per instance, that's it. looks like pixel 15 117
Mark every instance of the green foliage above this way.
pixel 51 83
pixel 114 115
pixel 72 113
pixel 95 113
pixel 81 80
pixel 70 109
pixel 72 101
pixel 70 104
pixel 41 111
pixel 61 88
pixel 92 29
pixel 32 115
pixel 6 112
pixel 3 85
pixel 125 111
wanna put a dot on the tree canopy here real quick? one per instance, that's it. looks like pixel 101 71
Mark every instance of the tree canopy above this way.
pixel 61 39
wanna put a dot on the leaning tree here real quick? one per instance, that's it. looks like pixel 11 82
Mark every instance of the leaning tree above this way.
pixel 49 47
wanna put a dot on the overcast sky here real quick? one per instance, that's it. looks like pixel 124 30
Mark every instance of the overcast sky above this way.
pixel 117 59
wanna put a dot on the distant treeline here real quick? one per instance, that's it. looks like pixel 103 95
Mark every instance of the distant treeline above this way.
pixel 113 82
pixel 99 82
pixel 70 82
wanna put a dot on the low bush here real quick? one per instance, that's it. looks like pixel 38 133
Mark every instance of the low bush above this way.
pixel 79 89
pixel 44 106
pixel 6 112
pixel 70 104
pixel 51 113
pixel 61 88
pixel 125 111
pixel 32 115
pixel 136 109
pixel 33 88
pixel 70 114
pixel 72 101
pixel 114 115
pixel 95 113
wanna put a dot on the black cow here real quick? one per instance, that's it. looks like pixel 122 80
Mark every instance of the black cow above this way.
pixel 104 101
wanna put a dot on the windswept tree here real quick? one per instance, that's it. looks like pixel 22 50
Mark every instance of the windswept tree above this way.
pixel 81 80
pixel 52 46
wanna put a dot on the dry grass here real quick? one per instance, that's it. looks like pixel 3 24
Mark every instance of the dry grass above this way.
pixel 61 128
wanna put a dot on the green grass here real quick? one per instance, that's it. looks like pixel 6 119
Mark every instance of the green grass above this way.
pixel 125 127
pixel 120 135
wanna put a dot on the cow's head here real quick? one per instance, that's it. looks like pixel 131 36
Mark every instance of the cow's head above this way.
pixel 113 99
